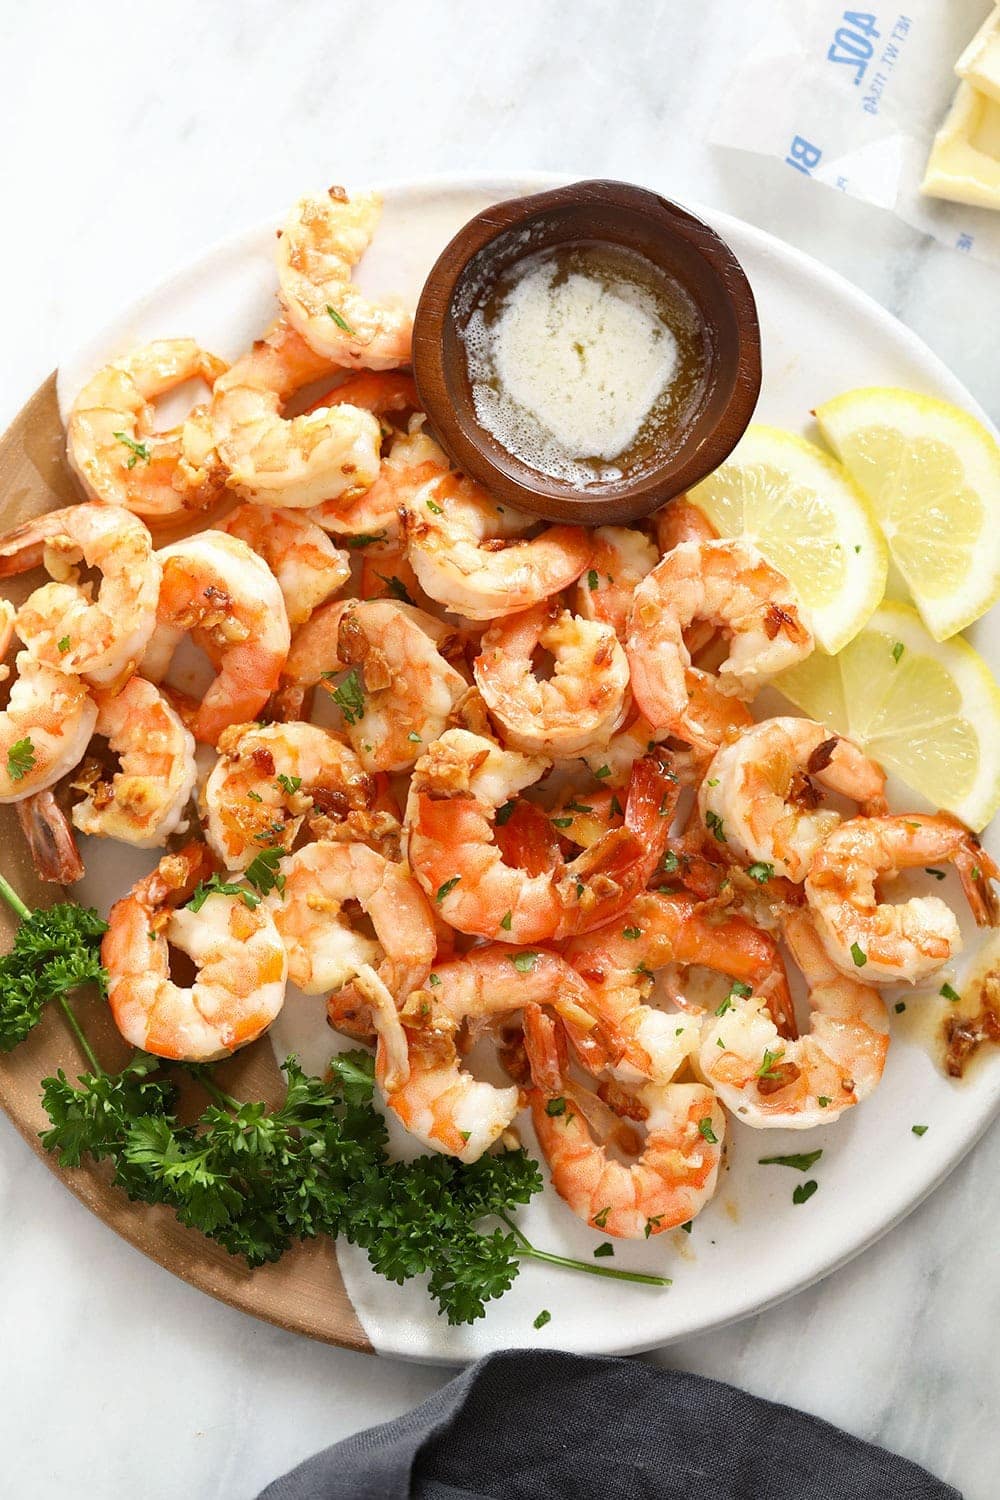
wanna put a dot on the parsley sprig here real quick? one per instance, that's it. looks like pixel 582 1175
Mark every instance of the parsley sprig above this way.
pixel 56 951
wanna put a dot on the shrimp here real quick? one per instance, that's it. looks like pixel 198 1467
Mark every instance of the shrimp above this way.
pixel 101 639
pixel 308 567
pixel 227 597
pixel 381 392
pixel 411 462
pixel 113 448
pixel 469 554
pixel 620 558
pixel 144 800
pixel 673 1177
pixel 457 787
pixel 679 521
pixel 908 941
pixel 44 730
pixel 420 1070
pixel 324 237
pixel 729 584
pixel 619 961
pixel 49 836
pixel 297 462
pixel 237 951
pixel 267 780
pixel 758 791
pixel 325 951
pixel 401 690
pixel 771 1083
pixel 584 700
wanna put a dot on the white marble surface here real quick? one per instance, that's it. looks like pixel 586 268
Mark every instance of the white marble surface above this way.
pixel 136 136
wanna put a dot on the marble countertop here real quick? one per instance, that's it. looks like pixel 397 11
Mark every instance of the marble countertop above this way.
pixel 136 138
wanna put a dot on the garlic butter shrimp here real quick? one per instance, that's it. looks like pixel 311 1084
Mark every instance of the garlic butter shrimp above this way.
pixel 143 802
pixel 413 459
pixel 240 960
pixel 44 730
pixel 307 565
pixel 295 462
pixel 102 639
pixel 618 962
pixel 401 690
pixel 312 913
pixel 470 554
pixel 323 239
pixel 675 1174
pixel 114 449
pixel 895 942
pixel 770 1082
pixel 226 596
pixel 730 585
pixel 384 393
pixel 49 836
pixel 267 780
pixel 759 791
pixel 620 558
pixel 679 521
pixel 582 702
pixel 458 786
pixel 436 1099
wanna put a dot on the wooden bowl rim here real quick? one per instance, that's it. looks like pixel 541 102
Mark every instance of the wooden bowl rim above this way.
pixel 476 451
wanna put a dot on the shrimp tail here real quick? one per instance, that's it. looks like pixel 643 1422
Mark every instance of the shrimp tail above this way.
pixel 544 1049
pixel 977 871
pixel 528 841
pixel 50 838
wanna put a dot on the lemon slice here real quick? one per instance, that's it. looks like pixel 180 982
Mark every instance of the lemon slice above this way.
pixel 801 510
pixel 927 710
pixel 932 475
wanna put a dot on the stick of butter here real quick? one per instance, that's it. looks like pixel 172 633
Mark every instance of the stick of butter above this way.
pixel 964 164
pixel 979 64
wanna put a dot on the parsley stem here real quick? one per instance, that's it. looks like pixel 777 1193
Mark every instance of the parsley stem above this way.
pixel 526 1248
pixel 12 899
pixel 222 1099
pixel 77 1031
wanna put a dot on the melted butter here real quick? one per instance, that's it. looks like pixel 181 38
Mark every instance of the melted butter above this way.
pixel 928 1015
pixel 586 362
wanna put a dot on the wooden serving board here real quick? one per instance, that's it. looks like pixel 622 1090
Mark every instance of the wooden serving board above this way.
pixel 304 1291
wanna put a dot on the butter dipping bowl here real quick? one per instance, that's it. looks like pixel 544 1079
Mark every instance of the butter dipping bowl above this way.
pixel 619 219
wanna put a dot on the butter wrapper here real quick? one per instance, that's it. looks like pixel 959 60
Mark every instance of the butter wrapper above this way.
pixel 852 98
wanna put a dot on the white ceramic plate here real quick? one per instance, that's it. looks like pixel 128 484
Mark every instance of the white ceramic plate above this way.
pixel 752 1246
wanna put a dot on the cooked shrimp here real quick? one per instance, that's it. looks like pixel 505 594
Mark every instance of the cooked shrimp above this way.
pixel 144 800
pixel 44 730
pixel 673 1177
pixel 267 780
pixel 323 238
pixel 770 1082
pixel 457 787
pixel 237 951
pixel 104 638
pixel 432 1094
pixel 114 449
pixel 49 836
pixel 411 462
pixel 895 942
pixel 582 702
pixel 308 567
pixel 226 596
pixel 758 792
pixel 620 558
pixel 401 690
pixel 619 961
pixel 298 461
pixel 312 913
pixel 730 585
pixel 679 521
pixel 382 392
pixel 469 553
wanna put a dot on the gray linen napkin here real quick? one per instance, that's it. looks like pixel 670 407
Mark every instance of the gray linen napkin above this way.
pixel 524 1425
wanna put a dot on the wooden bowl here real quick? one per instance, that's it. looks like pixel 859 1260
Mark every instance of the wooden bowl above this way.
pixel 608 212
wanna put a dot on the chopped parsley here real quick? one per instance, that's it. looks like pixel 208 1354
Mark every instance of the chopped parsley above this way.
pixel 289 784
pixel 506 920
pixel 920 1129
pixel 800 1162
pixel 949 993
pixel 805 1190
pixel 20 759
pixel 449 885
pixel 767 1067
pixel 760 872
pixel 897 651
pixel 340 322
pixel 350 697
pixel 524 962
pixel 714 824
pixel 543 1317
pixel 705 1129
pixel 859 955
pixel 592 580
pixel 556 1106
pixel 137 450
pixel 604 1250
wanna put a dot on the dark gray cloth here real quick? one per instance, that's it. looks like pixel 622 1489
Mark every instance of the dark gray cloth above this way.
pixel 525 1425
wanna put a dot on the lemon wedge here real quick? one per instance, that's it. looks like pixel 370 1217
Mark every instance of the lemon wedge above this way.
pixel 927 710
pixel 932 475
pixel 800 509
